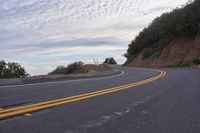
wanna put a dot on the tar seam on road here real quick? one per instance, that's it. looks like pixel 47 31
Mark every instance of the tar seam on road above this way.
pixel 15 111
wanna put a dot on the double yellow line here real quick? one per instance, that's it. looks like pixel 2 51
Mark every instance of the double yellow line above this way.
pixel 10 112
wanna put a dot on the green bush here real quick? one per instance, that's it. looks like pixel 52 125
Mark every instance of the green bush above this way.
pixel 74 66
pixel 184 64
pixel 196 61
pixel 59 70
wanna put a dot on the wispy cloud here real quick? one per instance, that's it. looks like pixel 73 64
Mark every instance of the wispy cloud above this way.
pixel 41 34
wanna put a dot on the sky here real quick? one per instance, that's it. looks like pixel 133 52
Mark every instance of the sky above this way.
pixel 42 34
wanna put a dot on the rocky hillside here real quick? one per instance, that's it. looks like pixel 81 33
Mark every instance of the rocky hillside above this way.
pixel 179 52
pixel 173 39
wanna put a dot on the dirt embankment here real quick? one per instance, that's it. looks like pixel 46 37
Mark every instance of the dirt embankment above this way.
pixel 178 52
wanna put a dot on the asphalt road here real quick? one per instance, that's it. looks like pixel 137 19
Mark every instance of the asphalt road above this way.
pixel 170 104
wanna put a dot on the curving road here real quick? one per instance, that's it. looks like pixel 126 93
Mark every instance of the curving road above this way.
pixel 138 100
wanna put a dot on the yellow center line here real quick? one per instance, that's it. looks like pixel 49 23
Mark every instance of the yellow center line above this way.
pixel 71 97
pixel 47 104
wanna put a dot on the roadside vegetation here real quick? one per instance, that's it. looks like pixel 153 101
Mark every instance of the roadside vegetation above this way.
pixel 110 60
pixel 71 68
pixel 180 23
pixel 80 67
pixel 196 61
pixel 12 70
pixel 189 64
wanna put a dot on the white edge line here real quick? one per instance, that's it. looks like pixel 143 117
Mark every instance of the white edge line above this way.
pixel 75 80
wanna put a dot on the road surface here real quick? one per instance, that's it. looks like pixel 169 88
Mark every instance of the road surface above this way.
pixel 138 100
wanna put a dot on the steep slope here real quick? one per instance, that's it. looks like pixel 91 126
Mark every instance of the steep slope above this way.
pixel 179 52
pixel 172 39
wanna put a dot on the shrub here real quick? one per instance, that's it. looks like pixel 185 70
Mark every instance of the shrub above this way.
pixel 74 66
pixel 71 68
pixel 59 70
pixel 196 61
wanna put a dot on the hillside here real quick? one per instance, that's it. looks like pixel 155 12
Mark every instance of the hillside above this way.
pixel 173 39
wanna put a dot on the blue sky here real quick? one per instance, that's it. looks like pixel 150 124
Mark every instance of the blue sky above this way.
pixel 41 34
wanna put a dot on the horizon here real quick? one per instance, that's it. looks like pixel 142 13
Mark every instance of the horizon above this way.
pixel 41 35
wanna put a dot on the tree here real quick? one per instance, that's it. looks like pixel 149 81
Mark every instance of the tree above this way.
pixel 106 60
pixel 12 70
pixel 110 60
